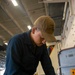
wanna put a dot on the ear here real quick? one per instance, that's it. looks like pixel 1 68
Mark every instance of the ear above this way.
pixel 34 29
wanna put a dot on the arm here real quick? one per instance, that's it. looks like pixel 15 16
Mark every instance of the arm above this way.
pixel 46 63
pixel 13 58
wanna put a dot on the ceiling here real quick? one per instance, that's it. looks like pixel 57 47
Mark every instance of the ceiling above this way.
pixel 15 19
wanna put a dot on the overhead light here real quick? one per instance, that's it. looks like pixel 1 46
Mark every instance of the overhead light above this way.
pixel 6 43
pixel 29 27
pixel 14 2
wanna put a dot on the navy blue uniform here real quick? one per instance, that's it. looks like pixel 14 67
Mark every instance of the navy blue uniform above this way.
pixel 23 57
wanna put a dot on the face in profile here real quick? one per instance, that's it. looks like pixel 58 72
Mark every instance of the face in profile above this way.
pixel 37 37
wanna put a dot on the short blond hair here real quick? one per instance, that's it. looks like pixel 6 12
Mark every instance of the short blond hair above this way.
pixel 46 25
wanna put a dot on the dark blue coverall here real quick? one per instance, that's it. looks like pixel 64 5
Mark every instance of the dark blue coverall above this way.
pixel 23 57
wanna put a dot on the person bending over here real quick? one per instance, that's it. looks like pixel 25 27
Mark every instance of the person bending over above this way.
pixel 25 50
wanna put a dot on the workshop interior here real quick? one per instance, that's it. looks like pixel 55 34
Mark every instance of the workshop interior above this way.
pixel 18 16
